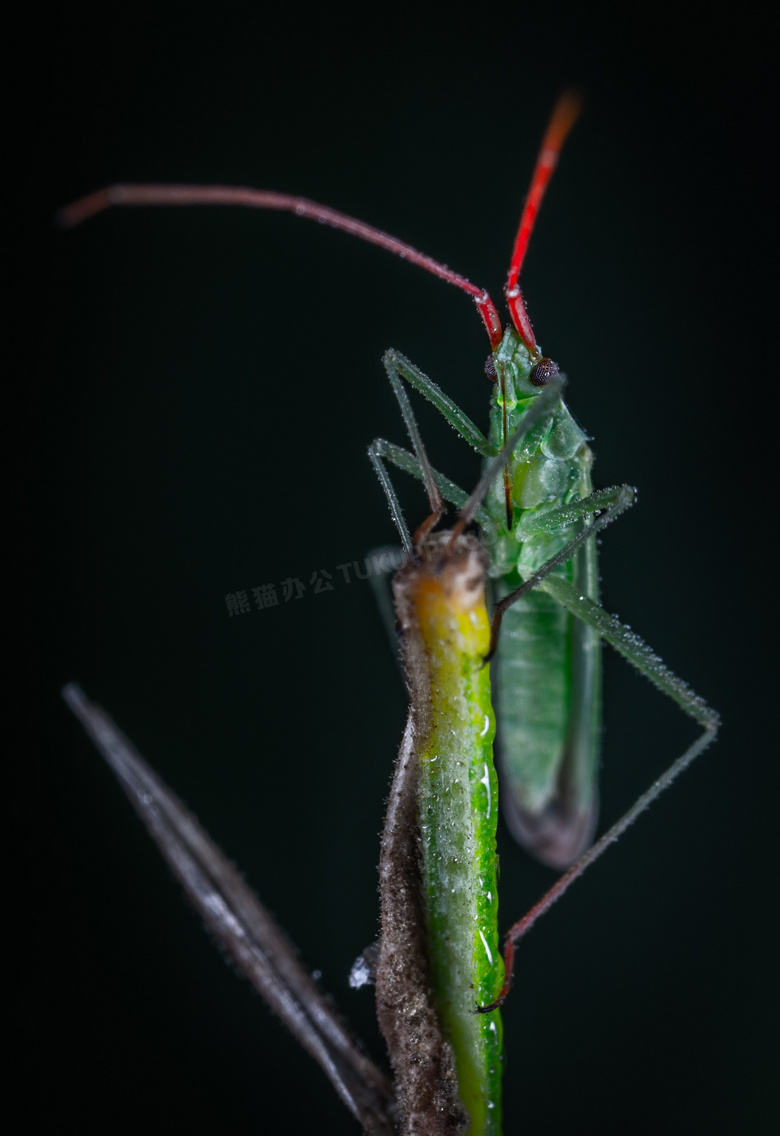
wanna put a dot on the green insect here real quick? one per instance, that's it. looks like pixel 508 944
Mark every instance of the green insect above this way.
pixel 447 751
pixel 439 961
pixel 538 516
pixel 547 666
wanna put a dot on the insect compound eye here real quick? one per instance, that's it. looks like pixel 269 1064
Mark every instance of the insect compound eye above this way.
pixel 490 369
pixel 541 374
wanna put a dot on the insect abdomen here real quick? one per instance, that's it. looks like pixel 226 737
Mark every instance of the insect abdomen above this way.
pixel 548 697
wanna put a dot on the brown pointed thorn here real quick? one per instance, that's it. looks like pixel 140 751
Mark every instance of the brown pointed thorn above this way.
pixel 508 496
pixel 565 114
pixel 429 523
pixel 602 519
pixel 509 966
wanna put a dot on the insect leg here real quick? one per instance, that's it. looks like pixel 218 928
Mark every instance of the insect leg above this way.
pixel 398 368
pixel 375 455
pixel 407 462
pixel 634 649
pixel 608 503
pixel 698 709
pixel 640 655
pixel 398 365
pixel 435 501
pixel 533 523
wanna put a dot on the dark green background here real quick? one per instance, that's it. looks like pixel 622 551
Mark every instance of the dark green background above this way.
pixel 213 381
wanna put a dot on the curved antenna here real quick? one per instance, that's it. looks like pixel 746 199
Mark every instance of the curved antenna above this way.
pixel 565 114
pixel 102 199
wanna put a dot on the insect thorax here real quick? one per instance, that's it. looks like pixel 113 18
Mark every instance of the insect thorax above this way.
pixel 550 466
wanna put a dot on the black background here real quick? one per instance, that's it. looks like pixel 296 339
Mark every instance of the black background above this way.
pixel 209 386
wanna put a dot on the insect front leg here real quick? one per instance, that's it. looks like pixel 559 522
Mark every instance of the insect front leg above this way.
pixel 407 462
pixel 399 367
pixel 436 485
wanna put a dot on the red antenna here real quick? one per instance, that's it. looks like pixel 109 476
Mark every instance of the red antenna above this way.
pixel 566 113
pixel 102 199
pixel 563 118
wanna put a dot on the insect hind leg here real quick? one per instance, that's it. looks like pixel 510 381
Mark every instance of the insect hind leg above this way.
pixel 634 649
